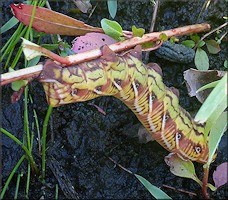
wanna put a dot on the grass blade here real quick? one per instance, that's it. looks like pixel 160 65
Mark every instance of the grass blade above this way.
pixel 8 25
pixel 11 176
pixel 44 135
pixel 209 85
pixel 17 185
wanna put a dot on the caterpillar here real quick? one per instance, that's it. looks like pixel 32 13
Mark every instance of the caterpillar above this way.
pixel 140 87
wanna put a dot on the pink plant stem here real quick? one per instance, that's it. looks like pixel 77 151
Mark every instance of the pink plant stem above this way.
pixel 127 44
pixel 120 46
pixel 90 55
pixel 21 74
pixel 205 183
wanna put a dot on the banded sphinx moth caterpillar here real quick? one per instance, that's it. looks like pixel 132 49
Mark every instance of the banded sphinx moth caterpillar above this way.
pixel 140 87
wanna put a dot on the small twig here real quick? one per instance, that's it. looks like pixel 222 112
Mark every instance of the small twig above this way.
pixel 205 6
pixel 98 108
pixel 153 20
pixel 221 38
pixel 180 190
pixel 209 33
pixel 120 165
pixel 93 10
pixel 214 30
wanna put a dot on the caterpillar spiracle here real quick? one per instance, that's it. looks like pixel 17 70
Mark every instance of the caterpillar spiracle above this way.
pixel 140 87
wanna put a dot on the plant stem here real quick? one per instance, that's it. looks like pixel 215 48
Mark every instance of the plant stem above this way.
pixel 153 20
pixel 28 182
pixel 17 185
pixel 205 182
pixel 21 74
pixel 26 121
pixel 30 158
pixel 90 55
pixel 11 176
pixel 44 136
pixel 120 46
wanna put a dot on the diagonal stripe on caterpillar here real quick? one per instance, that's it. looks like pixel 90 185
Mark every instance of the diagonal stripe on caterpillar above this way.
pixel 140 87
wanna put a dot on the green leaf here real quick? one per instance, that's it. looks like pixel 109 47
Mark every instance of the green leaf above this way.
pixel 17 85
pixel 225 64
pixel 212 187
pixel 34 61
pixel 214 105
pixel 173 39
pixel 148 45
pixel 112 7
pixel 201 59
pixel 163 37
pixel 212 46
pixel 50 47
pixel 207 86
pixel 195 38
pixel 8 25
pixel 137 32
pixel 155 191
pixel 182 168
pixel 216 133
pixel 201 43
pixel 112 28
pixel 188 43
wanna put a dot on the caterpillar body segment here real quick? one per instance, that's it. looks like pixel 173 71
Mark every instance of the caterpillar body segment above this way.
pixel 140 87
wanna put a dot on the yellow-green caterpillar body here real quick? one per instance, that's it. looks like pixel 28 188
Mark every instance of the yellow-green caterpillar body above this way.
pixel 140 87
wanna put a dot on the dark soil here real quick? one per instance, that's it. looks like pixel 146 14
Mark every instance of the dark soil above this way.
pixel 80 139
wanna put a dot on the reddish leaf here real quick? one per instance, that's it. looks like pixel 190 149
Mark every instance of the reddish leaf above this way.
pixel 91 41
pixel 48 21
pixel 220 175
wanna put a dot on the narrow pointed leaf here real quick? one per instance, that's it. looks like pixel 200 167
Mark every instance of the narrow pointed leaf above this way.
pixel 207 86
pixel 8 25
pixel 51 22
pixel 112 7
pixel 155 191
